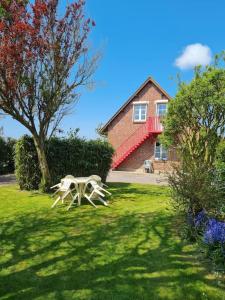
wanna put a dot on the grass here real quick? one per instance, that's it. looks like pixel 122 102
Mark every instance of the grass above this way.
pixel 130 250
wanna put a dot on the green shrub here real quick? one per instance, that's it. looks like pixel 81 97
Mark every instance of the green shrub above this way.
pixel 7 155
pixel 220 160
pixel 196 188
pixel 71 155
pixel 26 162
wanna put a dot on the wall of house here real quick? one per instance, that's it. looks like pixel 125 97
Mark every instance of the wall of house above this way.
pixel 135 162
pixel 123 126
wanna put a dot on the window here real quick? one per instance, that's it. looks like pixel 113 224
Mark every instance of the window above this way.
pixel 140 111
pixel 160 152
pixel 161 109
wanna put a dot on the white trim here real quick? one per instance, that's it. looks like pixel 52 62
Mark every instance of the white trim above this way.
pixel 140 102
pixel 141 121
pixel 162 101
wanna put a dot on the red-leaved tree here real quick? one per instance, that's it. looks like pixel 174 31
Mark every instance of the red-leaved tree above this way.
pixel 43 60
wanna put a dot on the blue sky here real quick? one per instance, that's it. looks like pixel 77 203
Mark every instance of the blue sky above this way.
pixel 138 39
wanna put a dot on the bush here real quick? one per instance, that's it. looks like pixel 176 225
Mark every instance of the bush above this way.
pixel 195 188
pixel 211 236
pixel 199 192
pixel 26 162
pixel 220 160
pixel 7 156
pixel 71 155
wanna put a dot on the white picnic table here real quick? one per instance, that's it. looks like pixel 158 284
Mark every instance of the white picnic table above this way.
pixel 64 187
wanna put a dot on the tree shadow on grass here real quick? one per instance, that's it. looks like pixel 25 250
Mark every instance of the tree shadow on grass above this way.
pixel 56 255
pixel 127 190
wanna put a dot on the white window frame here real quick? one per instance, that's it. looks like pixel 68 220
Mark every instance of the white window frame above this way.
pixel 140 103
pixel 160 158
pixel 157 102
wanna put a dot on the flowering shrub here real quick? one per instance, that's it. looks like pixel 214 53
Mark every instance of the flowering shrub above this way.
pixel 211 234
pixel 215 232
pixel 196 225
pixel 201 219
pixel 197 188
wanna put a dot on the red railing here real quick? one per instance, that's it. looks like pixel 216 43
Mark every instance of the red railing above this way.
pixel 152 125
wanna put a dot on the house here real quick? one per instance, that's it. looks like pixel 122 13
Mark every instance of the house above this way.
pixel 134 129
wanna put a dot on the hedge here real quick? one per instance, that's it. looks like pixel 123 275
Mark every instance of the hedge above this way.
pixel 7 155
pixel 71 155
pixel 26 164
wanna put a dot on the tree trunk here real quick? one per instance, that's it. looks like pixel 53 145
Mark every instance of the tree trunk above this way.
pixel 46 177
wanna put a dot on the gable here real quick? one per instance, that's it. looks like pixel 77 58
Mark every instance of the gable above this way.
pixel 139 91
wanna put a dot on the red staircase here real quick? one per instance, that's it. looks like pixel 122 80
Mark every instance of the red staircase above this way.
pixel 150 128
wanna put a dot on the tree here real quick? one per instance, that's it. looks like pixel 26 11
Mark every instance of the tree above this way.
pixel 195 124
pixel 101 135
pixel 43 61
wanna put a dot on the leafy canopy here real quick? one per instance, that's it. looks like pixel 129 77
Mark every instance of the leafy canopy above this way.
pixel 196 116
pixel 43 59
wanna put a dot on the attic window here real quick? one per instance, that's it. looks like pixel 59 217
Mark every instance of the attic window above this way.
pixel 140 112
pixel 161 109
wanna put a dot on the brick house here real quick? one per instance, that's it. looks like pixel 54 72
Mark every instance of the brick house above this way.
pixel 134 129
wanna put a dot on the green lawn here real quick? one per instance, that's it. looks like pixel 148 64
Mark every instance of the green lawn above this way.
pixel 130 250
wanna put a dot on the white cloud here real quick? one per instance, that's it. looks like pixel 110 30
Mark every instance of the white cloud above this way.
pixel 193 55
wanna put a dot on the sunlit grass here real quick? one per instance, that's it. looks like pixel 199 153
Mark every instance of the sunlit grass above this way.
pixel 130 250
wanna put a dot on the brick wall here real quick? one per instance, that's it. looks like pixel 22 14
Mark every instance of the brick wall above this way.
pixel 135 162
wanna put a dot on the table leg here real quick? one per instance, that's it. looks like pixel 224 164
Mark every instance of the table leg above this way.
pixel 103 202
pixel 79 199
pixel 80 194
pixel 56 201
pixel 81 186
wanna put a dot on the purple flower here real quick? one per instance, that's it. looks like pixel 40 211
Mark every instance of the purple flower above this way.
pixel 201 218
pixel 215 232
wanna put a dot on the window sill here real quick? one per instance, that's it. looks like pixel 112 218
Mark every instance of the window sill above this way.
pixel 160 160
pixel 139 121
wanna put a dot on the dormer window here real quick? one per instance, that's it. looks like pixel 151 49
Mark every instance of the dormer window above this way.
pixel 140 112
